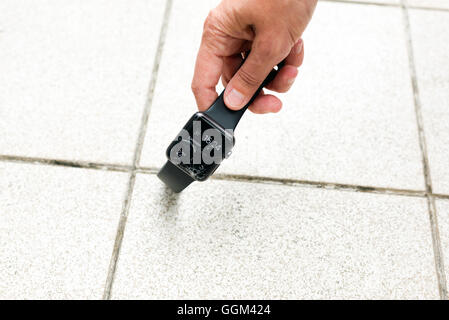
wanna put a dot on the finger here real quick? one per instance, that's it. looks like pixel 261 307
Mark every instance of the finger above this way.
pixel 230 66
pixel 249 77
pixel 284 79
pixel 208 68
pixel 296 55
pixel 265 103
pixel 287 75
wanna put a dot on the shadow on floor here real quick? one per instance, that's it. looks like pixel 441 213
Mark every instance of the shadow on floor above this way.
pixel 169 202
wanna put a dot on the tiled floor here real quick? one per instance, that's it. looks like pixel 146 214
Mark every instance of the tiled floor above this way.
pixel 343 194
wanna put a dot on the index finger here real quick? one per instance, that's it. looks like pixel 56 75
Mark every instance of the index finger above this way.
pixel 208 69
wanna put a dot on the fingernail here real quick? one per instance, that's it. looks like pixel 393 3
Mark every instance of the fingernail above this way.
pixel 299 46
pixel 290 81
pixel 235 99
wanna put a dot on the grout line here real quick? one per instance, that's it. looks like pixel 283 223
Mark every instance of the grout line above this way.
pixel 440 196
pixel 320 185
pixel 306 183
pixel 67 163
pixel 428 8
pixel 149 170
pixel 383 4
pixel 227 177
pixel 438 254
pixel 119 236
pixel 437 248
pixel 137 154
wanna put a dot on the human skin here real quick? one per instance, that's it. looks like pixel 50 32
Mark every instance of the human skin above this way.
pixel 271 29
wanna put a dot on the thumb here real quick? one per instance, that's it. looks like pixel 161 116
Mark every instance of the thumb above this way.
pixel 251 74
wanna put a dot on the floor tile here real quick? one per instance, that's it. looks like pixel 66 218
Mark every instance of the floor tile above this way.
pixel 437 4
pixel 431 48
pixel 73 79
pixel 232 240
pixel 443 224
pixel 57 230
pixel 349 119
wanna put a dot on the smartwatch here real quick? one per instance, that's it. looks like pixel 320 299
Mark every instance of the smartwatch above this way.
pixel 205 141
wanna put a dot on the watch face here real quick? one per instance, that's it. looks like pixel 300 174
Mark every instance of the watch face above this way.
pixel 200 147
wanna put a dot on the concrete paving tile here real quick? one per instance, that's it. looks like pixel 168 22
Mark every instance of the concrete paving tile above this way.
pixel 437 4
pixel 431 48
pixel 443 225
pixel 73 79
pixel 349 118
pixel 57 230
pixel 232 240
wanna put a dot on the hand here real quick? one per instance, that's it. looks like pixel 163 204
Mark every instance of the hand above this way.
pixel 271 29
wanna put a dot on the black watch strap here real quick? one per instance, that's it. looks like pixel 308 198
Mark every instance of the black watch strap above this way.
pixel 174 178
pixel 228 118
